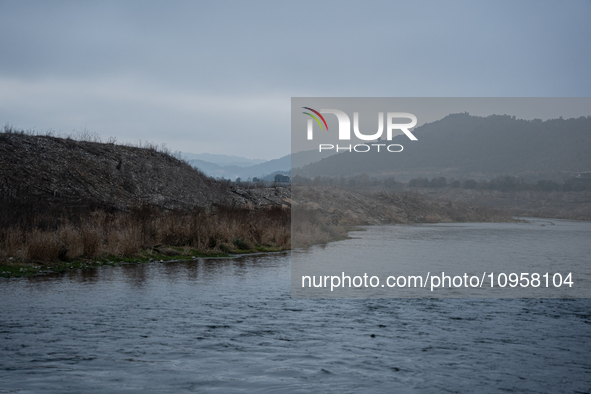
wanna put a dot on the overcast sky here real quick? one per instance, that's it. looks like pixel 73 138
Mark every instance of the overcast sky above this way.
pixel 218 76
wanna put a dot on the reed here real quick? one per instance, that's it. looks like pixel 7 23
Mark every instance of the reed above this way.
pixel 99 234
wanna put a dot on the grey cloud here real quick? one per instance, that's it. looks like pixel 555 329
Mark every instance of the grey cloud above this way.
pixel 205 73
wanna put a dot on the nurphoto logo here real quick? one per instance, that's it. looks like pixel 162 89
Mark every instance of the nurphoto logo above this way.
pixel 344 133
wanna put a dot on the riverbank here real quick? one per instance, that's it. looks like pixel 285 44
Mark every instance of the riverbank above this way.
pixel 58 244
pixel 68 204
pixel 312 216
pixel 321 214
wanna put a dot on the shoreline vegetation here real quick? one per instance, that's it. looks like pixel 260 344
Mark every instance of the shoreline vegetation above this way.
pixel 49 244
pixel 144 235
pixel 70 204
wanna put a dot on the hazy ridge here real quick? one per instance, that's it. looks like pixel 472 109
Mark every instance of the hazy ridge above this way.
pixel 465 146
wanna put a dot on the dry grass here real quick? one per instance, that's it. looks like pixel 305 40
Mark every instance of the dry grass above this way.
pixel 99 234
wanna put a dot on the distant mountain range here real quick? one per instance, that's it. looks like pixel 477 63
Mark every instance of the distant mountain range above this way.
pixel 261 170
pixel 222 160
pixel 458 146
pixel 465 146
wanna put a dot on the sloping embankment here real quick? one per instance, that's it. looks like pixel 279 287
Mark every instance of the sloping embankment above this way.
pixel 344 207
pixel 321 214
pixel 52 174
pixel 574 205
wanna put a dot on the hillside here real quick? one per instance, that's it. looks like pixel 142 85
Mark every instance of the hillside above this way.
pixel 464 146
pixel 65 204
pixel 67 172
pixel 50 173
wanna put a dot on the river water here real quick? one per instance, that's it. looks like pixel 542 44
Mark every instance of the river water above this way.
pixel 536 258
pixel 231 326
